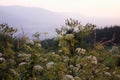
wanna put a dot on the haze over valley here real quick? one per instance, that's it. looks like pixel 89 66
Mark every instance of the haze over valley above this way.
pixel 35 19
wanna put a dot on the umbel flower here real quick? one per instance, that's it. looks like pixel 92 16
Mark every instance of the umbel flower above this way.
pixel 22 63
pixel 38 45
pixel 94 60
pixel 68 77
pixel 38 68
pixel 69 36
pixel 80 51
pixel 59 37
pixel 23 55
pixel 107 74
pixel 49 65
pixel 77 78
pixel 2 59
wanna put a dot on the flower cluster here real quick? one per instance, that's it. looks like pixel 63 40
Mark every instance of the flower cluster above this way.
pixel 2 60
pixel 68 77
pixel 80 51
pixel 38 68
pixel 93 59
pixel 69 36
pixel 59 37
pixel 50 65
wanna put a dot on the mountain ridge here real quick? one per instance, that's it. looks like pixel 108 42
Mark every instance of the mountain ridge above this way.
pixel 34 19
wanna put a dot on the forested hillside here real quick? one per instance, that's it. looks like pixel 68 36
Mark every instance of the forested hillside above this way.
pixel 109 34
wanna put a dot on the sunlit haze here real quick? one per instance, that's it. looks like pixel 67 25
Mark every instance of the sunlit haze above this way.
pixel 91 8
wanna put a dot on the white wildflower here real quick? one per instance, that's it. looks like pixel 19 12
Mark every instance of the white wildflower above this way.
pixel 53 53
pixel 77 78
pixel 97 70
pixel 71 66
pixel 38 45
pixel 20 55
pixel 76 69
pixel 2 59
pixel 89 57
pixel 80 50
pixel 107 74
pixel 0 54
pixel 30 42
pixel 22 63
pixel 107 68
pixel 94 60
pixel 44 60
pixel 65 58
pixel 59 37
pixel 38 68
pixel 60 51
pixel 114 72
pixel 78 65
pixel 24 55
pixel 85 64
pixel 49 65
pixel 69 36
pixel 63 32
pixel 68 77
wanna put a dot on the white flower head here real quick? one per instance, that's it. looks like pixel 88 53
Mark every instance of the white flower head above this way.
pixel 65 58
pixel 60 51
pixel 2 59
pixel 20 55
pixel 78 65
pixel 59 37
pixel 38 45
pixel 24 56
pixel 94 60
pixel 80 51
pixel 68 77
pixel 30 42
pixel 69 36
pixel 49 65
pixel 107 74
pixel 44 60
pixel 77 78
pixel 89 57
pixel 38 68
pixel 71 66
pixel 53 53
pixel 22 63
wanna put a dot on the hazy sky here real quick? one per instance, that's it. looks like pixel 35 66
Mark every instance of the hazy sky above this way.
pixel 91 8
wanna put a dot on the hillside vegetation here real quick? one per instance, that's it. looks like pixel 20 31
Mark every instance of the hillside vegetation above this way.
pixel 78 52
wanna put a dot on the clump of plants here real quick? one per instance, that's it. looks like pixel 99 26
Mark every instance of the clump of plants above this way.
pixel 24 59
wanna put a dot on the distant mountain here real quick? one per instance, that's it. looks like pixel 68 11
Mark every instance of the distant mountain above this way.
pixel 31 19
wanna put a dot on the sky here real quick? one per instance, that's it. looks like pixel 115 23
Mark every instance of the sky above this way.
pixel 91 8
